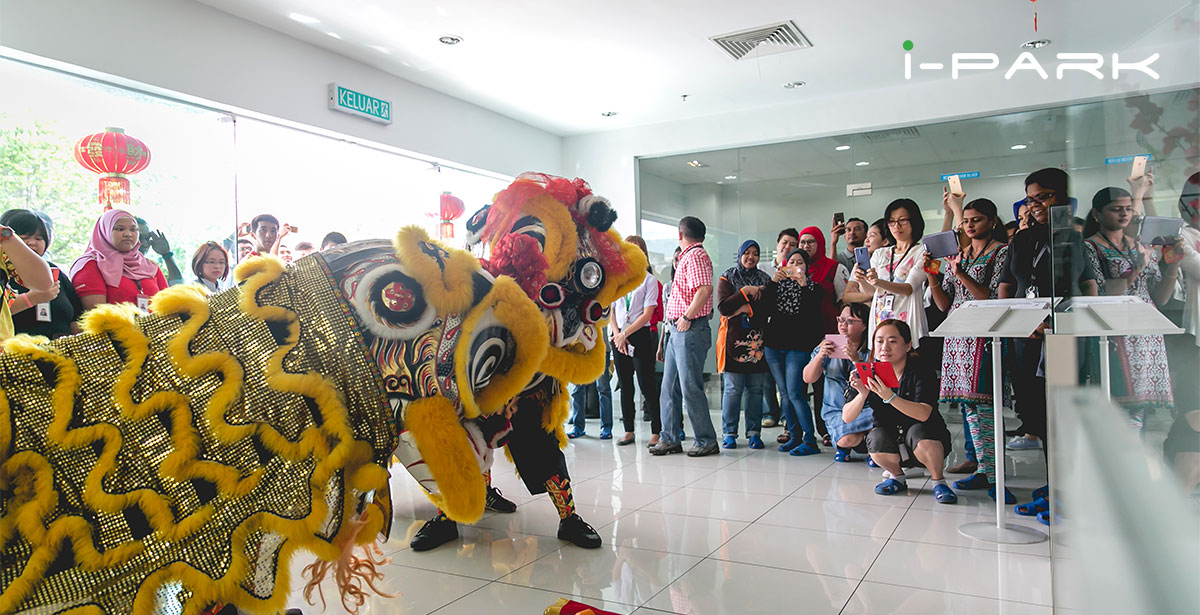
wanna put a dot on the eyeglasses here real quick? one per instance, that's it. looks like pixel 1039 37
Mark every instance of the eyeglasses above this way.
pixel 899 222
pixel 846 321
pixel 808 242
pixel 1039 198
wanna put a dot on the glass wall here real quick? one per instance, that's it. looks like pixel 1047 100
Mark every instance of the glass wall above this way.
pixel 210 170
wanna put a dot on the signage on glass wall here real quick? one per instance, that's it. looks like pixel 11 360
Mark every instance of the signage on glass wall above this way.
pixel 967 175
pixel 356 103
pixel 1124 159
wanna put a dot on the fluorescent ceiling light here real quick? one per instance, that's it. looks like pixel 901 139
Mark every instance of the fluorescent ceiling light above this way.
pixel 842 148
pixel 380 49
pixel 1019 146
pixel 334 35
pixel 731 177
pixel 303 18
pixel 861 163
pixel 696 164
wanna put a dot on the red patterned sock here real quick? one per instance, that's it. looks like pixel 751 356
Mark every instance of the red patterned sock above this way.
pixel 559 490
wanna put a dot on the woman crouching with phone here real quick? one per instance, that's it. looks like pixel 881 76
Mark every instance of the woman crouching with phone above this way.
pixel 852 326
pixel 906 416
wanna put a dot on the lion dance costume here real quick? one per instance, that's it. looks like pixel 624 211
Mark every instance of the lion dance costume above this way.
pixel 177 460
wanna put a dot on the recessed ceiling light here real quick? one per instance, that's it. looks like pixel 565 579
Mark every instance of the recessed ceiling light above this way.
pixel 861 163
pixel 720 182
pixel 380 49
pixel 1038 44
pixel 1019 146
pixel 842 148
pixel 450 39
pixel 731 177
pixel 303 18
pixel 334 35
pixel 696 164
pixel 609 113
pixel 791 85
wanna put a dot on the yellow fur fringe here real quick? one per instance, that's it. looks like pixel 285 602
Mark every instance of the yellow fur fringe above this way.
pixel 34 496
pixel 451 290
pixel 449 455
pixel 509 304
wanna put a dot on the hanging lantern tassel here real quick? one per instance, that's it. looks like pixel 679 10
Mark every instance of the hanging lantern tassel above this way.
pixel 1034 14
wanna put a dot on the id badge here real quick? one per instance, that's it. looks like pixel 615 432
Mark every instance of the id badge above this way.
pixel 889 301
pixel 143 303
pixel 1031 293
pixel 43 312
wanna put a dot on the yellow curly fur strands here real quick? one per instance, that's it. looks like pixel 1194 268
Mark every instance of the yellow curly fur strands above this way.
pixel 509 304
pixel 35 495
pixel 618 286
pixel 451 290
pixel 434 424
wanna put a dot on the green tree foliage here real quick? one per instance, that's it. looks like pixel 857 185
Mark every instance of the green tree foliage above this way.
pixel 39 172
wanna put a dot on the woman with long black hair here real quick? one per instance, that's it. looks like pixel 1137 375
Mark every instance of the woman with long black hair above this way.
pixel 635 344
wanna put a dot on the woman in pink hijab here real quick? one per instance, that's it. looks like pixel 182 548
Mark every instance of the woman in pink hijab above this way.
pixel 112 269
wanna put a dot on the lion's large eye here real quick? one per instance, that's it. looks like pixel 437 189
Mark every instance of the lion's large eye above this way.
pixel 589 276
pixel 493 350
pixel 391 304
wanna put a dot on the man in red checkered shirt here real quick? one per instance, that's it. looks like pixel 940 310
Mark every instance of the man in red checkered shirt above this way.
pixel 689 338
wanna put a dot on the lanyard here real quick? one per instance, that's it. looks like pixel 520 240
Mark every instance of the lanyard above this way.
pixel 892 265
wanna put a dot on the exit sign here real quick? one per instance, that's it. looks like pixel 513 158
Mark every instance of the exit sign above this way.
pixel 356 103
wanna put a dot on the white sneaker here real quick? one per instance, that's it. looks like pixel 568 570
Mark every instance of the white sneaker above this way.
pixel 1021 443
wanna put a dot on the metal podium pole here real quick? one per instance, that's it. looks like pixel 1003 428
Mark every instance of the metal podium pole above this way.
pixel 1000 531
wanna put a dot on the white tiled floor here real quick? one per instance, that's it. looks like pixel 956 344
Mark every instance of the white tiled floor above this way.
pixel 741 532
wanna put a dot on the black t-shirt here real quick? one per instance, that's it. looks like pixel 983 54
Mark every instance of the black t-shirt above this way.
pixel 64 309
pixel 1054 270
pixel 918 383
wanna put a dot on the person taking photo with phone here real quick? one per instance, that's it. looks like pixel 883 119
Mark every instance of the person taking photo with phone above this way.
pixel 973 274
pixel 852 327
pixel 906 421
pixel 793 303
pixel 25 279
pixel 896 277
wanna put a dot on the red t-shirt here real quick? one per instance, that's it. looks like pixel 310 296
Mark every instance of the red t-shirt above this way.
pixel 89 282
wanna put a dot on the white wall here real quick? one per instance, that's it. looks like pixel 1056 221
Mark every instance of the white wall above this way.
pixel 607 159
pixel 193 49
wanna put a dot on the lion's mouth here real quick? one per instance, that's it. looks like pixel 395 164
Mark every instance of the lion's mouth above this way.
pixel 576 337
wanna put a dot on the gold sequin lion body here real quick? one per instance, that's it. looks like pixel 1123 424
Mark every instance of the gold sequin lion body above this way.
pixel 176 460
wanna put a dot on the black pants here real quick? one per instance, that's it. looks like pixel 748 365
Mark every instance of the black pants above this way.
pixel 772 394
pixel 818 389
pixel 645 346
pixel 1029 388
pixel 534 450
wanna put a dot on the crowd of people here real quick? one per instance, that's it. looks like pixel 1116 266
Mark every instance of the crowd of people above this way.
pixel 836 344
pixel 43 299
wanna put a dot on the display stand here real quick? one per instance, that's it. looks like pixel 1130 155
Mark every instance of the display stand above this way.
pixel 997 319
pixel 1105 317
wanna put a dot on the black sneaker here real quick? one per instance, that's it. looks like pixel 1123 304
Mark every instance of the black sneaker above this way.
pixel 435 533
pixel 662 448
pixel 577 531
pixel 702 451
pixel 498 503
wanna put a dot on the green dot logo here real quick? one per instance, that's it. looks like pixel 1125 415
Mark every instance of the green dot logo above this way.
pixel 908 45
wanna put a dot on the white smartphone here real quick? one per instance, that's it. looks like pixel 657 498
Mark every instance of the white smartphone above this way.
pixel 955 185
pixel 1139 167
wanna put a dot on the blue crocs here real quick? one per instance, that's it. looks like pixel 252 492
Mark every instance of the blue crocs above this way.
pixel 944 495
pixel 576 433
pixel 842 455
pixel 891 486
pixel 606 434
pixel 1033 508
pixel 787 447
pixel 871 463
pixel 804 450
pixel 1009 498
pixel 1042 492
pixel 974 481
pixel 729 442
pixel 756 442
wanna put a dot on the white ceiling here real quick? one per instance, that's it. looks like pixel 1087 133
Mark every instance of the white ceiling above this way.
pixel 558 65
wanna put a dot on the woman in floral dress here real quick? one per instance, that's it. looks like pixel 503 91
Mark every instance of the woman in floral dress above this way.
pixel 1141 380
pixel 967 361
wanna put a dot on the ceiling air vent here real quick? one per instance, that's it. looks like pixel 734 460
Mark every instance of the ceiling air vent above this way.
pixel 880 136
pixel 765 40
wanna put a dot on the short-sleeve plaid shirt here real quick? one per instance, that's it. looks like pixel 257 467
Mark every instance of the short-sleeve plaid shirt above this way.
pixel 694 270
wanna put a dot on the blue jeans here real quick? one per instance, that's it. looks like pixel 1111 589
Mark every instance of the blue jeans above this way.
pixel 967 434
pixel 731 403
pixel 603 384
pixel 684 364
pixel 788 368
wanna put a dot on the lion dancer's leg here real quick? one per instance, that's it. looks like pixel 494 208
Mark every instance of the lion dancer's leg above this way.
pixel 442 529
pixel 534 446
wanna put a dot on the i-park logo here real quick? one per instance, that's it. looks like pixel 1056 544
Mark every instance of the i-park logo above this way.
pixel 1090 63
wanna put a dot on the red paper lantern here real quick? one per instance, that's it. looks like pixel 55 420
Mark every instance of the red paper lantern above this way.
pixel 451 208
pixel 114 155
